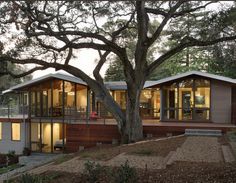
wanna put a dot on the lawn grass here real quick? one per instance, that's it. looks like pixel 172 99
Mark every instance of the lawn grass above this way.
pixel 9 168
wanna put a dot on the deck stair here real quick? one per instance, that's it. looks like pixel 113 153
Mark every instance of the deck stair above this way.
pixel 203 132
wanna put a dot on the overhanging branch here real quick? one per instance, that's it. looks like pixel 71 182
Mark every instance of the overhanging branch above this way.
pixel 190 42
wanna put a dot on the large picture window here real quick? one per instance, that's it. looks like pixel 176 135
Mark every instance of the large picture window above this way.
pixel 186 100
pixel 15 131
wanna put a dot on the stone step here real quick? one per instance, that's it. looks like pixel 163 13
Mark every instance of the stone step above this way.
pixel 203 132
pixel 227 153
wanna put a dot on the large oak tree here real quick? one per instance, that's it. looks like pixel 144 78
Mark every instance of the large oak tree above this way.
pixel 50 33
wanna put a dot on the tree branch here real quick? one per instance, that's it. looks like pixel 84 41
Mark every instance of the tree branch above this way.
pixel 164 22
pixel 190 42
pixel 177 14
pixel 96 71
pixel 23 74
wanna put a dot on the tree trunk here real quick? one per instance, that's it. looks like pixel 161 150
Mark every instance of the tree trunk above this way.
pixel 133 129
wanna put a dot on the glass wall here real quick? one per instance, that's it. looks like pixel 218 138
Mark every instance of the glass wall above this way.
pixel 35 137
pixel 202 99
pixel 48 139
pixel 46 102
pixel 81 100
pixel 186 100
pixel 170 102
pixel 120 98
pixel 150 103
pixel 186 97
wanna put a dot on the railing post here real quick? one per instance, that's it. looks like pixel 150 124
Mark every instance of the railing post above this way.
pixel 8 110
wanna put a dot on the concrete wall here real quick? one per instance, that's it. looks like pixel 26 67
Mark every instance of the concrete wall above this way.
pixel 6 144
pixel 221 94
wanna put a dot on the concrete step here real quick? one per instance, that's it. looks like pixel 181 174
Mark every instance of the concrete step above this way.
pixel 203 132
pixel 227 153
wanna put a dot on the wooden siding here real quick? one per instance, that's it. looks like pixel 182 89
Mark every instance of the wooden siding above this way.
pixel 221 98
pixel 234 105
pixel 89 135
pixel 12 120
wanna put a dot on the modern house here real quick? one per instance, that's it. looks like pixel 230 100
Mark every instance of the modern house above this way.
pixel 59 112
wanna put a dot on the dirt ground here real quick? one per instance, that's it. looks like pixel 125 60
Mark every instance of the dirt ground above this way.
pixel 152 148
pixel 179 172
pixel 194 159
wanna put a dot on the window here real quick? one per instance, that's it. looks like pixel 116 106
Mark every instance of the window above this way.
pixel 0 130
pixel 15 127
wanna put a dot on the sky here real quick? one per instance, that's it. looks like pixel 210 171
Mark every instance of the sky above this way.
pixel 86 61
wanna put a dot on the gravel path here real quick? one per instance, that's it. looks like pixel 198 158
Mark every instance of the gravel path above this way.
pixel 150 162
pixel 194 149
pixel 199 149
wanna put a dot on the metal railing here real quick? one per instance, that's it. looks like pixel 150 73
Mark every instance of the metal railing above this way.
pixel 13 111
pixel 81 113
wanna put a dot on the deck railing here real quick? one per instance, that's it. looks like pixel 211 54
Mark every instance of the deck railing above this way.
pixel 13 111
pixel 81 113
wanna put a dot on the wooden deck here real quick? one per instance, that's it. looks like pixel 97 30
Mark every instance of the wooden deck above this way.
pixel 89 134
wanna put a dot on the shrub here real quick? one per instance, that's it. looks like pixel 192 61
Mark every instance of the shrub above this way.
pixel 27 178
pixel 92 171
pixel 11 154
pixel 26 151
pixel 125 174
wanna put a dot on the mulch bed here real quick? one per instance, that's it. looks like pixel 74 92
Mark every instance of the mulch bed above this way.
pixel 179 172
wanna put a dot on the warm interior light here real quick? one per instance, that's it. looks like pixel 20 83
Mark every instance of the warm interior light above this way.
pixel 147 94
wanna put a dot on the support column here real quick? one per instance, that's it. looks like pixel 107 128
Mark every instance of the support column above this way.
pixel 161 104
pixel 41 112
pixel 51 115
pixel 88 106
pixel 29 118
pixel 63 116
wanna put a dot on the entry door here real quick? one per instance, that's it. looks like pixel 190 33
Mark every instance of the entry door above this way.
pixel 186 105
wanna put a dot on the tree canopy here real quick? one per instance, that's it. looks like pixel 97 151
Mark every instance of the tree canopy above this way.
pixel 49 33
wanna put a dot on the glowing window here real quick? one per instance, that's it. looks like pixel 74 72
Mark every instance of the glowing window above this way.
pixel 15 127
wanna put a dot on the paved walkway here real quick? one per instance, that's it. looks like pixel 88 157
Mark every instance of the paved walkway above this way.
pixel 30 162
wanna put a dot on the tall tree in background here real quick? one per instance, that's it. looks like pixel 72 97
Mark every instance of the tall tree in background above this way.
pixel 217 59
pixel 49 32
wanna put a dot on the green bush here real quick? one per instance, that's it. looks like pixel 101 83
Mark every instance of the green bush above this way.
pixel 27 178
pixel 92 171
pixel 11 154
pixel 125 174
